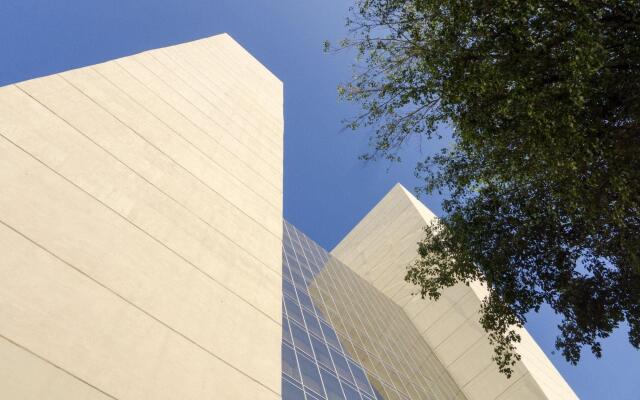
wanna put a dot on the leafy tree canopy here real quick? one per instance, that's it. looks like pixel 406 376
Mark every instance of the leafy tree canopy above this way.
pixel 543 176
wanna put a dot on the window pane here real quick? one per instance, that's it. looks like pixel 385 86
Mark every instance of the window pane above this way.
pixel 392 394
pixel 341 365
pixel 293 310
pixel 322 353
pixel 286 333
pixel 299 281
pixel 300 338
pixel 287 288
pixel 350 393
pixel 307 274
pixel 310 376
pixel 312 323
pixel 361 379
pixel 290 391
pixel 289 363
pixel 331 385
pixel 296 274
pixel 311 395
pixel 305 301
pixel 377 387
pixel 330 335
pixel 293 263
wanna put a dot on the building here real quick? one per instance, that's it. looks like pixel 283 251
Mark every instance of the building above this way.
pixel 361 340
pixel 142 239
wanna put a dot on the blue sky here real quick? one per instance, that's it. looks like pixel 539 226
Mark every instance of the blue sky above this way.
pixel 327 189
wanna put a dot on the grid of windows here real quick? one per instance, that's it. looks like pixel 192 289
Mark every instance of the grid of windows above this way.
pixel 343 339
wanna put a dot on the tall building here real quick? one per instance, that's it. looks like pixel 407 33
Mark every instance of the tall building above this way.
pixel 144 254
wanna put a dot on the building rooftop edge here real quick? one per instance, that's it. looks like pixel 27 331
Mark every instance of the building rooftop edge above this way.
pixel 218 35
pixel 354 247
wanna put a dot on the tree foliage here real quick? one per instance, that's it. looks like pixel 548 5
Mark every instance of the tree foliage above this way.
pixel 543 175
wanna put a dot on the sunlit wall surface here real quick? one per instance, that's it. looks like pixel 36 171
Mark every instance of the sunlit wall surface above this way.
pixel 343 339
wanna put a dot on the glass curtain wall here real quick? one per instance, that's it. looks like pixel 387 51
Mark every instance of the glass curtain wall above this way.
pixel 343 339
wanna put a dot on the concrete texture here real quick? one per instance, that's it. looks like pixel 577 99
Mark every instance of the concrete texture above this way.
pixel 141 228
pixel 380 248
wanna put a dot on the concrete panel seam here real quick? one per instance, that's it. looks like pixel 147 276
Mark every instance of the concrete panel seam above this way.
pixel 200 110
pixel 240 82
pixel 267 163
pixel 249 90
pixel 143 311
pixel 514 382
pixel 199 150
pixel 116 62
pixel 444 315
pixel 402 284
pixel 206 98
pixel 465 352
pixel 141 230
pixel 159 97
pixel 382 261
pixel 56 366
pixel 276 271
pixel 231 53
pixel 350 248
pixel 167 156
pixel 485 369
pixel 264 70
pixel 239 53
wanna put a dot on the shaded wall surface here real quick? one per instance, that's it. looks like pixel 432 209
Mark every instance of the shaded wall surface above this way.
pixel 344 339
pixel 141 228
pixel 380 248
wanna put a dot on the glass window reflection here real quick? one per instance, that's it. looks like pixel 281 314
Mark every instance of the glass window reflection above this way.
pixel 291 391
pixel 310 375
pixel 365 361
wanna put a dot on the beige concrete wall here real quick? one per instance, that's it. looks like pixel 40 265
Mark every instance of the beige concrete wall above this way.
pixel 380 248
pixel 141 229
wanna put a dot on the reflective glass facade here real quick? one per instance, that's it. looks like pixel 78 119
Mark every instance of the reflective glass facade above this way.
pixel 343 339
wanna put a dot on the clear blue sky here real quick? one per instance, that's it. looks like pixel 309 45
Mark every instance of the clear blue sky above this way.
pixel 327 190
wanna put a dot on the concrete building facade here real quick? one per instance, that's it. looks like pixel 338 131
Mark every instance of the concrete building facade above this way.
pixel 143 251
pixel 141 229
pixel 380 248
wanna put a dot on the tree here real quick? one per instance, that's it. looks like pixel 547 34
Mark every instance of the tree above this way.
pixel 542 179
